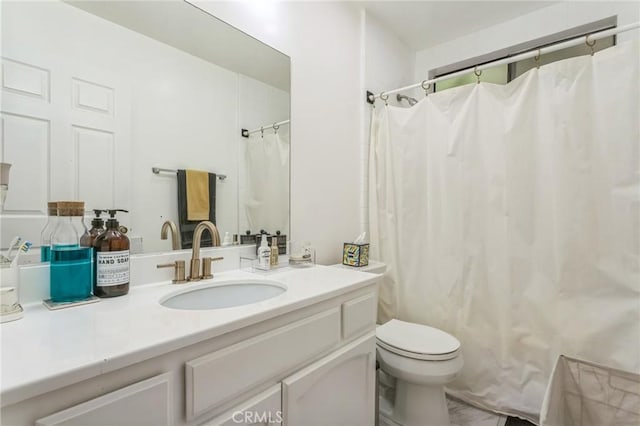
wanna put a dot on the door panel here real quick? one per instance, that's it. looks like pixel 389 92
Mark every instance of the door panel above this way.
pixel 66 130
pixel 337 390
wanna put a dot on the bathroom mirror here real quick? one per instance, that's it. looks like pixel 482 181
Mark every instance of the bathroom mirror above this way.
pixel 97 93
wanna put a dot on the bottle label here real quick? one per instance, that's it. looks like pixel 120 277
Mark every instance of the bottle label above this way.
pixel 112 268
pixel 264 256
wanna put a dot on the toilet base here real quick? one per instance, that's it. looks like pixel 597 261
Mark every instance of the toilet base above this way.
pixel 420 405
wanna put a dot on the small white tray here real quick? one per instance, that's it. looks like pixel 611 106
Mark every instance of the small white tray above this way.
pixel 13 315
pixel 54 306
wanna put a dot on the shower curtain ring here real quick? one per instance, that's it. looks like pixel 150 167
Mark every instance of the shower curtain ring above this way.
pixel 425 88
pixel 537 59
pixel 478 74
pixel 262 132
pixel 275 128
pixel 384 98
pixel 590 44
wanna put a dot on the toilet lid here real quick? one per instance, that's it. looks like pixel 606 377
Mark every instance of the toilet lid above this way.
pixel 417 340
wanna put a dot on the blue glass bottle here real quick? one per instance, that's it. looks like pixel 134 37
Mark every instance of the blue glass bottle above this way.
pixel 71 268
pixel 47 231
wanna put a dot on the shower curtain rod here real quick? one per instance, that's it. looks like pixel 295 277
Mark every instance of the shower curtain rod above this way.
pixel 589 39
pixel 245 133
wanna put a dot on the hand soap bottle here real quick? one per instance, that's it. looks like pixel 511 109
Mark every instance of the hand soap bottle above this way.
pixel 264 254
pixel 97 228
pixel 111 260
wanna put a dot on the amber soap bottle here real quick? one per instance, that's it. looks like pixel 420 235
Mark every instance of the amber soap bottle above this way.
pixel 97 228
pixel 111 260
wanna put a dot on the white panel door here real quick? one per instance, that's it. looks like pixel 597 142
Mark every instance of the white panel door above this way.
pixel 65 128
pixel 144 403
pixel 338 390
pixel 25 142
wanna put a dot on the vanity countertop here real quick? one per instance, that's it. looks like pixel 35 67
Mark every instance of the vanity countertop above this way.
pixel 47 350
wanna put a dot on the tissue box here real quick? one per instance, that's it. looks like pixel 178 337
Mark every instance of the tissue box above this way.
pixel 355 254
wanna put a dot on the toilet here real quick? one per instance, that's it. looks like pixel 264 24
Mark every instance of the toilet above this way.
pixel 422 360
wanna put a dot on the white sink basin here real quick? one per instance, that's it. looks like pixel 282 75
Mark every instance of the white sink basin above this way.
pixel 224 294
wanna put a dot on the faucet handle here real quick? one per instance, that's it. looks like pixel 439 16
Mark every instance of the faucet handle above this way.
pixel 178 273
pixel 207 273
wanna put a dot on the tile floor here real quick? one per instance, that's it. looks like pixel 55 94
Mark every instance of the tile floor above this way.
pixel 461 414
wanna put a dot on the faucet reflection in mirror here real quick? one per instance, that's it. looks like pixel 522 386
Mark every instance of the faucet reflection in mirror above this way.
pixel 194 273
pixel 167 226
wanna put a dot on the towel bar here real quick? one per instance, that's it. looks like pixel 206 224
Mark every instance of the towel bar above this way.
pixel 157 170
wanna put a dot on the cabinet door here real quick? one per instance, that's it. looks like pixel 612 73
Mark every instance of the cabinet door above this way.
pixel 144 403
pixel 264 409
pixel 337 390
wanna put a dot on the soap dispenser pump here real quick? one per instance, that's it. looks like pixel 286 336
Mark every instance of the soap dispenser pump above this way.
pixel 97 228
pixel 111 260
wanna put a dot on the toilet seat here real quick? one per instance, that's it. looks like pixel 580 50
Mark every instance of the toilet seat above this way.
pixel 417 341
pixel 417 356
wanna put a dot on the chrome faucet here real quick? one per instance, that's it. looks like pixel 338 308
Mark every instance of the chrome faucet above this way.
pixel 175 236
pixel 194 273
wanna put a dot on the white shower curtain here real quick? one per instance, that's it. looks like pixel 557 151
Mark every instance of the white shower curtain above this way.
pixel 509 217
pixel 267 177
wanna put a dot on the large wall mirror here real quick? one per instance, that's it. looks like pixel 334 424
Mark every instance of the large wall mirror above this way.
pixel 95 94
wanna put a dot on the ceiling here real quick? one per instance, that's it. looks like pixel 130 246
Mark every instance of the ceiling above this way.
pixel 424 24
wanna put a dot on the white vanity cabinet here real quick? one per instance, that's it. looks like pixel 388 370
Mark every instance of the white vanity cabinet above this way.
pixel 311 365
pixel 337 389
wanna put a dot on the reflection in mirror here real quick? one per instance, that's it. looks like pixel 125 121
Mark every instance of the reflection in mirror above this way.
pixel 264 164
pixel 95 94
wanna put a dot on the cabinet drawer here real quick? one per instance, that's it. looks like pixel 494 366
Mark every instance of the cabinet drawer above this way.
pixel 222 375
pixel 143 403
pixel 359 315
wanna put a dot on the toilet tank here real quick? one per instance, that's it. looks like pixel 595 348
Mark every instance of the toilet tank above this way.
pixel 373 267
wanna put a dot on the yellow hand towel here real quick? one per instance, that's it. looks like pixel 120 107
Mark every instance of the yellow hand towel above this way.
pixel 197 183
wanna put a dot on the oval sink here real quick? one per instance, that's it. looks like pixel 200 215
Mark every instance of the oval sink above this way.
pixel 224 294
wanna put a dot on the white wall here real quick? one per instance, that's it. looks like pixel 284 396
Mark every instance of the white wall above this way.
pixel 323 41
pixel 389 61
pixel 540 23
